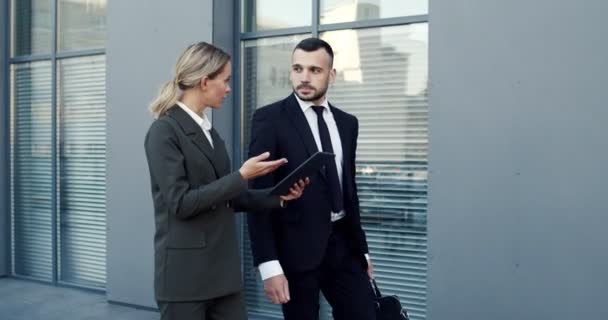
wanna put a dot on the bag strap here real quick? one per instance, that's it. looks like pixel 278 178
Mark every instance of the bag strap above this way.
pixel 376 290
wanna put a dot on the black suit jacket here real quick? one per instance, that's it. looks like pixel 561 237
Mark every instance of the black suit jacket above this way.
pixel 297 235
pixel 195 196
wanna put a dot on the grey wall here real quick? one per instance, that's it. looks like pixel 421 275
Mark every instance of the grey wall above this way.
pixel 4 133
pixel 518 125
pixel 144 40
pixel 223 36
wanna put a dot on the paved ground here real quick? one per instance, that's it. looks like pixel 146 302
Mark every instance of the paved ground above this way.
pixel 26 300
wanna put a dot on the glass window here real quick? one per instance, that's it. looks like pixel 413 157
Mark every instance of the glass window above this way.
pixel 82 24
pixel 335 11
pixel 266 63
pixel 71 194
pixel 382 78
pixel 31 164
pixel 31 27
pixel 82 151
pixel 261 15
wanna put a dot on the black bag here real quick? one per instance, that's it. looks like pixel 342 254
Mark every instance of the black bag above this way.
pixel 388 307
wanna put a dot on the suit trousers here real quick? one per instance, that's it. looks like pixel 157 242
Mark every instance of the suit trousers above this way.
pixel 341 277
pixel 229 307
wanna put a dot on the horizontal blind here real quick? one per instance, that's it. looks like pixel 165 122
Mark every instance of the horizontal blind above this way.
pixel 82 160
pixel 31 176
pixel 382 79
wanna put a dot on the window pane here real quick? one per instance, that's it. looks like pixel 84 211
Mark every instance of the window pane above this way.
pixel 82 161
pixel 82 24
pixel 275 14
pixel 266 64
pixel 382 78
pixel 334 11
pixel 31 163
pixel 31 27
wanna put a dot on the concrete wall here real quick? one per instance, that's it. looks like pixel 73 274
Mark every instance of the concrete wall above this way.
pixel 518 150
pixel 223 36
pixel 144 40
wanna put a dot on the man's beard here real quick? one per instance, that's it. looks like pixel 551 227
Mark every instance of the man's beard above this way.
pixel 317 96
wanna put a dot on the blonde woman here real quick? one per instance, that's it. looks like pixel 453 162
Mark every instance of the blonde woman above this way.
pixel 197 261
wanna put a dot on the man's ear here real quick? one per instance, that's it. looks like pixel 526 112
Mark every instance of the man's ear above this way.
pixel 332 75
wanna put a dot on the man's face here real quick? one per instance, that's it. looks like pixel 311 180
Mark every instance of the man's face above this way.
pixel 311 73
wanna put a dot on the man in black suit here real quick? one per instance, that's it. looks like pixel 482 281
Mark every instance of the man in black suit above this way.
pixel 316 244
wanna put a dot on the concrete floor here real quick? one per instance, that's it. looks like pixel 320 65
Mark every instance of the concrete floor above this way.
pixel 26 300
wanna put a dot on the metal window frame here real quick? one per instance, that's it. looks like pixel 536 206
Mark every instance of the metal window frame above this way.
pixel 54 162
pixel 316 27
pixel 237 133
pixel 8 109
pixel 5 143
pixel 53 57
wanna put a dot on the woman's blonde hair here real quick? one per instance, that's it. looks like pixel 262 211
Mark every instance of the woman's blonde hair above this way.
pixel 197 61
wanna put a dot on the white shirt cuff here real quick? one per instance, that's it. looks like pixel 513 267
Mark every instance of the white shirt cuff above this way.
pixel 367 256
pixel 270 269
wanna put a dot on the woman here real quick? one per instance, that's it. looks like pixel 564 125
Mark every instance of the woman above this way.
pixel 197 261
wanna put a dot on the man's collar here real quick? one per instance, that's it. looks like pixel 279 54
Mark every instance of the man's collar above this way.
pixel 305 105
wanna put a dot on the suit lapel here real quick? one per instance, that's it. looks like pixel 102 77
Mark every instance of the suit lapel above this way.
pixel 195 133
pixel 221 154
pixel 299 121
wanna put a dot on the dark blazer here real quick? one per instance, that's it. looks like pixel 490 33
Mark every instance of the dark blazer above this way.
pixel 298 236
pixel 195 197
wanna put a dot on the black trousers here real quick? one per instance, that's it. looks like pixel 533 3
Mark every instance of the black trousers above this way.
pixel 342 278
pixel 229 307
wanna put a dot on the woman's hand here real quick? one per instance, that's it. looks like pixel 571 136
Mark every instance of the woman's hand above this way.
pixel 256 166
pixel 296 190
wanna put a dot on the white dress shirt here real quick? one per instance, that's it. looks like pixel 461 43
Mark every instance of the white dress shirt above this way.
pixel 273 268
pixel 334 135
pixel 202 121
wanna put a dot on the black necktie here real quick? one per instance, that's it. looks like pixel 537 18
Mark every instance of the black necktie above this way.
pixel 332 172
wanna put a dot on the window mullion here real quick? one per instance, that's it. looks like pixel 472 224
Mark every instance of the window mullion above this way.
pixel 316 4
pixel 54 162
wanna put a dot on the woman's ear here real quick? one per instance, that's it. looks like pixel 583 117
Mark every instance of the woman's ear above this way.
pixel 203 83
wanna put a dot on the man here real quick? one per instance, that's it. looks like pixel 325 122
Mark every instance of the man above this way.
pixel 316 244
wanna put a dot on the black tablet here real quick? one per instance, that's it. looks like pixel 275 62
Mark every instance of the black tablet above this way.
pixel 306 169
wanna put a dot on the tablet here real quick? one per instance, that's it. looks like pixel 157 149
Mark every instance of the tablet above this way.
pixel 306 169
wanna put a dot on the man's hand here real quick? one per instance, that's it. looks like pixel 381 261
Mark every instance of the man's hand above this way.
pixel 370 269
pixel 277 289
